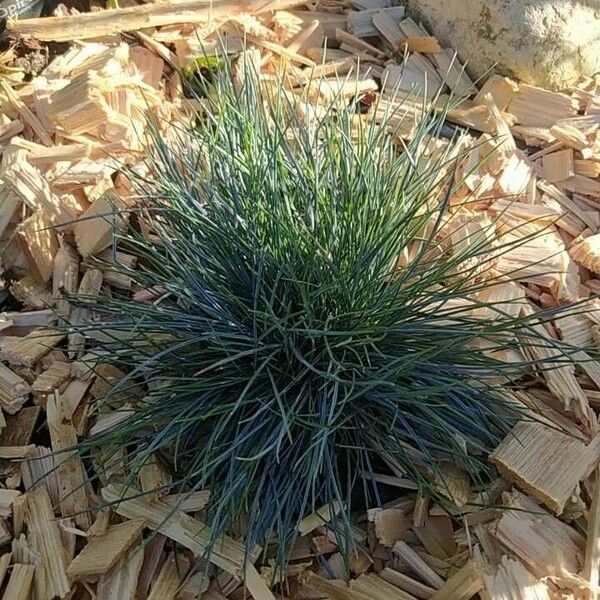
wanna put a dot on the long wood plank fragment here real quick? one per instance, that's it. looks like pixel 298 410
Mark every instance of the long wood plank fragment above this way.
pixel 110 22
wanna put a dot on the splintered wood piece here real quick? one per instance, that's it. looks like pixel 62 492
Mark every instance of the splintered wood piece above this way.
pixel 374 587
pixel 121 581
pixel 571 136
pixel 4 564
pixel 39 243
pixel 169 578
pixel 389 29
pixel 418 565
pixel 501 89
pixel 95 229
pixel 355 43
pixel 7 498
pixel 591 565
pixel 578 184
pixel 560 379
pixel 31 292
pixel 19 584
pixel 52 378
pixel 536 107
pixel 188 502
pixel 411 77
pixel 334 589
pixel 40 470
pixel 72 396
pixel 26 115
pixel 51 578
pixel 14 452
pixel 509 581
pixel 558 166
pixel 65 276
pixel 524 455
pixel 453 73
pixel 31 186
pixel 89 290
pixel 195 535
pixel 70 471
pixel 464 584
pixel 587 252
pixel 14 390
pixel 102 552
pixel 407 584
pixel 29 349
pixel 390 525
pixel 545 544
pixel 360 23
pixel 111 22
pixel 453 483
pixel 9 203
pixel 321 516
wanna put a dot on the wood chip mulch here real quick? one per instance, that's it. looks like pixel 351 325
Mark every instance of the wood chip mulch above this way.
pixel 59 135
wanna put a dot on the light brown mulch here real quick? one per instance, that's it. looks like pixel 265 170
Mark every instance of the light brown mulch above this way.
pixel 58 136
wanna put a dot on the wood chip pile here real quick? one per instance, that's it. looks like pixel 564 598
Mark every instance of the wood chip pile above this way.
pixel 59 135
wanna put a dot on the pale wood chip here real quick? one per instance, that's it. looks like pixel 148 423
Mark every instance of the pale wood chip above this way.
pixel 19 584
pixel 121 581
pixel 71 475
pixel 525 454
pixel 418 565
pixel 31 348
pixel 170 578
pixel 51 580
pixel 103 551
pixel 546 545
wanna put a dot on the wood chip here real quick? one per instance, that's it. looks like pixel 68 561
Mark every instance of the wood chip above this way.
pixel 227 554
pixel 51 579
pixel 558 166
pixel 19 584
pixel 102 552
pixel 524 456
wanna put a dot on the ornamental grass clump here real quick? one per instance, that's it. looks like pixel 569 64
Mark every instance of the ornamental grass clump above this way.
pixel 301 319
